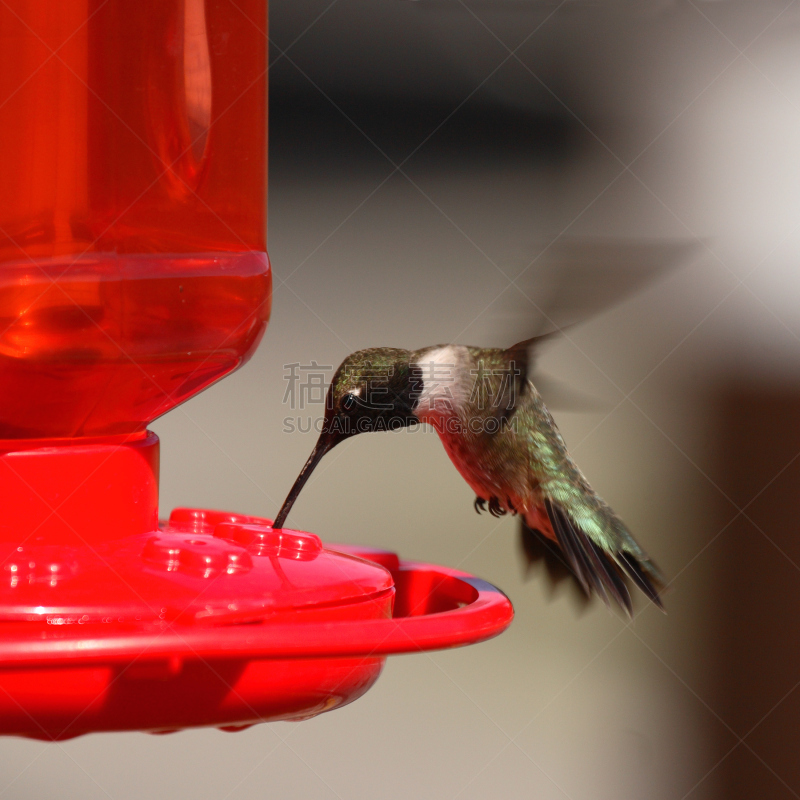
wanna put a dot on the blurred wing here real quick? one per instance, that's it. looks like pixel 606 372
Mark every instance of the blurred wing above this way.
pixel 560 396
pixel 571 282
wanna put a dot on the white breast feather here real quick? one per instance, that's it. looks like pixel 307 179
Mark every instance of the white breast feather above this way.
pixel 446 382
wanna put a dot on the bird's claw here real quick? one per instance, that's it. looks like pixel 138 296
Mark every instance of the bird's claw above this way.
pixel 495 509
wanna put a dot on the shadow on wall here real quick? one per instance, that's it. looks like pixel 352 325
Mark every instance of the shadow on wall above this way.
pixel 757 639
pixel 305 123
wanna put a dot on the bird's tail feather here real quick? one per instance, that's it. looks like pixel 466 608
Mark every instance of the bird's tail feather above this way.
pixel 604 569
pixel 541 551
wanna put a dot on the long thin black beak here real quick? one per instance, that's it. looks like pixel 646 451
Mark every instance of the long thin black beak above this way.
pixel 324 443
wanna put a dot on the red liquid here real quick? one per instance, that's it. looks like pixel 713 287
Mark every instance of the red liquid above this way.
pixel 116 342
pixel 133 174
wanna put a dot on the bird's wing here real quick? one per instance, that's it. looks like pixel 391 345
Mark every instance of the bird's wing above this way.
pixel 571 281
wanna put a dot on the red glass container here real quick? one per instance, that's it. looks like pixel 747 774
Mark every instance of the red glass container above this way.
pixel 133 274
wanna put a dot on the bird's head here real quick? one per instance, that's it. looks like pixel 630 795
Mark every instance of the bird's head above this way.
pixel 372 390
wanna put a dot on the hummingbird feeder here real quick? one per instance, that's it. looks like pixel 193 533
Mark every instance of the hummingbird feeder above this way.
pixel 133 274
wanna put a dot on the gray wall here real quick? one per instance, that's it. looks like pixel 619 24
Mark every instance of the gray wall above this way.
pixel 661 120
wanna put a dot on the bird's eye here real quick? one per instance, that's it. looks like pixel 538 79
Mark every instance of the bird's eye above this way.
pixel 349 401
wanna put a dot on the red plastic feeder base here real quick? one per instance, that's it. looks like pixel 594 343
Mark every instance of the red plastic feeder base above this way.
pixel 108 622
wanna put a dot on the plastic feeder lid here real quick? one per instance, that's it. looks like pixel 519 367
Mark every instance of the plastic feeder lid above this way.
pixel 214 574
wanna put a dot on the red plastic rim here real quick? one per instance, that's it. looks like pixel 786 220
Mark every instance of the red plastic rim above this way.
pixel 435 608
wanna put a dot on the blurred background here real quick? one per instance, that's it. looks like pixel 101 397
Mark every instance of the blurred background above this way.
pixel 422 155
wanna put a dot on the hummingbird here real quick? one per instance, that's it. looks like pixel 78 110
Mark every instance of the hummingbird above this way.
pixel 502 439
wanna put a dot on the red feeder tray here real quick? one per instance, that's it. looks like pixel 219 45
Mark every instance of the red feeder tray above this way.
pixel 211 619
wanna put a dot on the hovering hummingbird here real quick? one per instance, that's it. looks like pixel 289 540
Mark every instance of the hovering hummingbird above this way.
pixel 496 428
pixel 500 436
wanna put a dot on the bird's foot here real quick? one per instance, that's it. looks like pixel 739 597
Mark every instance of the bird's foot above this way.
pixel 495 509
pixel 480 504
